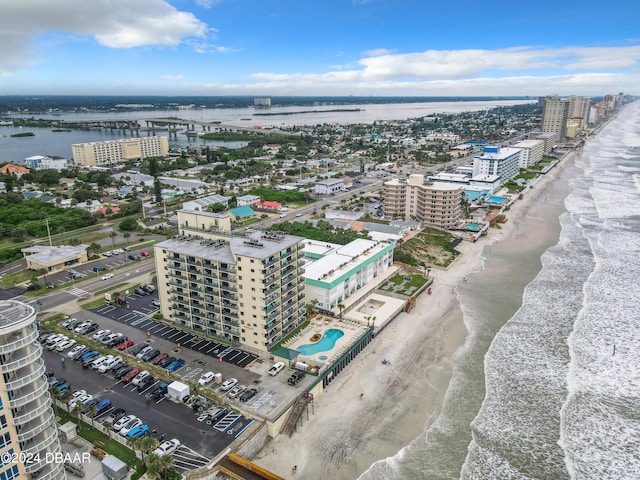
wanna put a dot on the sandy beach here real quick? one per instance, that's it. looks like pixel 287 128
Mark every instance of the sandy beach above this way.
pixel 347 434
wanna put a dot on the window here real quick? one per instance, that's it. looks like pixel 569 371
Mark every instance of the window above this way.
pixel 3 421
pixel 5 439
pixel 10 474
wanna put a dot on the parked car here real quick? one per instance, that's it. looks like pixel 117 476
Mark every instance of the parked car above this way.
pixel 107 276
pixel 82 328
pixel 167 447
pixel 146 349
pixel 264 215
pixel 117 426
pixel 126 344
pixel 136 422
pixel 62 346
pixel 144 253
pixel 110 364
pixel 141 376
pixel 92 328
pixel 66 323
pixel 235 391
pixel 86 407
pixel 114 416
pixel 55 381
pixel 276 368
pixel 74 350
pixel 295 377
pixel 155 303
pixel 145 383
pixel 81 400
pixel 141 292
pixel 81 352
pixel 106 339
pixel 160 390
pixel 159 358
pixel 150 355
pixel 90 356
pixel 103 406
pixel 248 394
pixel 228 384
pixel 63 386
pixel 122 371
pixel 113 342
pixel 130 375
pixel 166 361
pixel 175 365
pixel 101 334
pixel 136 350
pixel 206 378
pixel 134 257
pixel 148 288
pixel 106 254
pixel 139 431
pixel 73 323
pixel 95 364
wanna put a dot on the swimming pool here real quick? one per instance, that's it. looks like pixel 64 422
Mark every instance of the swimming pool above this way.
pixel 327 342
pixel 472 226
pixel 496 200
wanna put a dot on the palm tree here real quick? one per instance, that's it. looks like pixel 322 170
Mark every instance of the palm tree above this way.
pixel 146 445
pixel 91 411
pixel 75 412
pixel 126 236
pixel 65 396
pixel 166 463
pixel 341 307
pixel 94 248
pixel 113 236
pixel 154 467
pixel 54 394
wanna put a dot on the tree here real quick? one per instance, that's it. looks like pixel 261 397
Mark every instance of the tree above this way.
pixel 217 208
pixel 126 236
pixel 91 412
pixel 113 236
pixel 128 225
pixel 341 307
pixel 94 248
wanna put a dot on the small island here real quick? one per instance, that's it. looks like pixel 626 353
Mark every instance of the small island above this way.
pixel 61 130
pixel 25 134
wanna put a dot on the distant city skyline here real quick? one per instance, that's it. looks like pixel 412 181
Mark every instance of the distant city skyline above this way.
pixel 333 47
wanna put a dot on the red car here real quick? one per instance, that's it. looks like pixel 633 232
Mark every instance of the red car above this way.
pixel 130 376
pixel 159 358
pixel 125 345
pixel 144 254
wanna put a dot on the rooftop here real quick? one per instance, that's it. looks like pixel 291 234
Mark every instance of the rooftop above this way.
pixel 15 314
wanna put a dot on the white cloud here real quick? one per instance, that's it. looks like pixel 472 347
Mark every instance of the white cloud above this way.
pixel 207 3
pixel 113 23
pixel 377 52
pixel 172 77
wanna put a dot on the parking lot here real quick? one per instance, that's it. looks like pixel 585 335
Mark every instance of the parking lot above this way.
pixel 138 314
pixel 200 440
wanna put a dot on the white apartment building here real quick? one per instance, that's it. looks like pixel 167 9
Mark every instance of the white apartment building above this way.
pixel 498 161
pixel 97 154
pixel 45 162
pixel 27 420
pixel 532 152
pixel 437 204
pixel 340 271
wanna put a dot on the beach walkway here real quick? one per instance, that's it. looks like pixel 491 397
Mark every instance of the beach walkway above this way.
pixel 296 412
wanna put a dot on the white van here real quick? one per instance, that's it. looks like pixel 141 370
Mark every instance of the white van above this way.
pixel 276 369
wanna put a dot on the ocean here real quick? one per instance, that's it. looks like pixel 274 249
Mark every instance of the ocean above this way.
pixel 546 385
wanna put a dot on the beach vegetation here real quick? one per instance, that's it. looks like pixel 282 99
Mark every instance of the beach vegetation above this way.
pixel 322 231
pixel 430 247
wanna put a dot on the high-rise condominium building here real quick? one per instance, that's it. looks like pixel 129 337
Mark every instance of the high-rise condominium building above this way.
pixel 98 154
pixel 249 290
pixel 418 199
pixel 555 113
pixel 503 162
pixel 27 422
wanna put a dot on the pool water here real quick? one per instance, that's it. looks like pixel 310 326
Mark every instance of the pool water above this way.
pixel 327 342
pixel 472 226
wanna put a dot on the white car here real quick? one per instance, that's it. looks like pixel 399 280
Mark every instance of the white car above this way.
pixel 76 394
pixel 100 360
pixel 101 333
pixel 107 254
pixel 57 341
pixel 276 368
pixel 206 378
pixel 167 447
pixel 81 327
pixel 107 276
pixel 138 378
pixel 228 384
pixel 122 422
pixel 62 346
pixel 74 350
pixel 235 391
pixel 136 422
pixel 81 400
pixel 109 364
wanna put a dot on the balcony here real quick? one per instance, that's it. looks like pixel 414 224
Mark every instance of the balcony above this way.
pixel 35 392
pixel 55 472
pixel 13 342
pixel 35 413
pixel 177 267
pixel 23 379
pixel 24 360
pixel 268 263
pixel 25 435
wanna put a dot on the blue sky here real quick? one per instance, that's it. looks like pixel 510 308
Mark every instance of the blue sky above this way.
pixel 319 47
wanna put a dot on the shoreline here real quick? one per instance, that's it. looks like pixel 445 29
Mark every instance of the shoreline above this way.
pixel 342 443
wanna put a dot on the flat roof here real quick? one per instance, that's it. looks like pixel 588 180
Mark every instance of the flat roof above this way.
pixel 257 244
pixel 46 255
pixel 343 260
pixel 14 314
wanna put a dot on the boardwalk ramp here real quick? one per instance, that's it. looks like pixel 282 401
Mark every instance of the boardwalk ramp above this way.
pixel 239 468
pixel 296 412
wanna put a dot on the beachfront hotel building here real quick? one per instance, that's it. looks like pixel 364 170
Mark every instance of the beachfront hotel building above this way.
pixel 248 290
pixel 340 271
pixel 503 162
pixel 417 198
pixel 27 420
pixel 99 154
pixel 532 152
pixel 555 112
